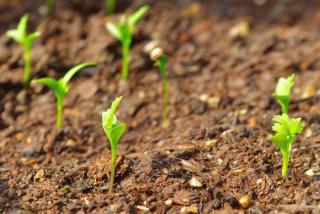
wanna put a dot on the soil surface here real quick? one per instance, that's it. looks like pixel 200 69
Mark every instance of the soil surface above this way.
pixel 214 158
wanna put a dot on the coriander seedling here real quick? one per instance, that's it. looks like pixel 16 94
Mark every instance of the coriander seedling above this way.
pixel 285 129
pixel 110 6
pixel 283 91
pixel 123 32
pixel 114 130
pixel 20 36
pixel 160 59
pixel 60 87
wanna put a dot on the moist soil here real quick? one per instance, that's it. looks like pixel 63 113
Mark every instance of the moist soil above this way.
pixel 215 157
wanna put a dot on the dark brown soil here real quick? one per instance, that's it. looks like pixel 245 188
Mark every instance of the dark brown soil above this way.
pixel 223 145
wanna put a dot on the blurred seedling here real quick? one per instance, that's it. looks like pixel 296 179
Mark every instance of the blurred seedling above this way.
pixel 60 87
pixel 49 5
pixel 110 6
pixel 20 36
pixel 114 130
pixel 285 129
pixel 283 91
pixel 123 31
pixel 160 59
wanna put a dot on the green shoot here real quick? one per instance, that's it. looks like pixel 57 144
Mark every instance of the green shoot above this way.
pixel 110 6
pixel 20 36
pixel 283 90
pixel 160 58
pixel 50 5
pixel 60 87
pixel 123 31
pixel 114 130
pixel 286 129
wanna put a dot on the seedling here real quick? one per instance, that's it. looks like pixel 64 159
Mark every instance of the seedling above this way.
pixel 20 36
pixel 123 32
pixel 60 87
pixel 283 91
pixel 50 5
pixel 114 130
pixel 110 6
pixel 286 129
pixel 160 58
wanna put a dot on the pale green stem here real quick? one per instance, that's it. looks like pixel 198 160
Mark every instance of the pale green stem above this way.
pixel 59 111
pixel 285 163
pixel 165 102
pixel 113 166
pixel 27 65
pixel 125 60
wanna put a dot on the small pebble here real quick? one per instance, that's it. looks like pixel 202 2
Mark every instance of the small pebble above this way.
pixel 143 208
pixel 193 208
pixel 168 202
pixel 195 182
pixel 245 201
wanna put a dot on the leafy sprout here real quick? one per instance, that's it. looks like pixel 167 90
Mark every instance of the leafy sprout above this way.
pixel 110 6
pixel 283 91
pixel 285 129
pixel 160 59
pixel 114 130
pixel 60 87
pixel 123 32
pixel 20 36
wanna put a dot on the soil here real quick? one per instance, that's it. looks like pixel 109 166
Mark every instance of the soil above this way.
pixel 214 158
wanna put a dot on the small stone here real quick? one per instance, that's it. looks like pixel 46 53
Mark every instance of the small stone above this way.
pixel 245 201
pixel 168 202
pixel 204 98
pixel 156 53
pixel 195 182
pixel 39 175
pixel 241 30
pixel 310 172
pixel 30 151
pixel 71 143
pixel 151 46
pixel 193 208
pixel 143 208
pixel 189 165
pixel 308 133
pixel 213 102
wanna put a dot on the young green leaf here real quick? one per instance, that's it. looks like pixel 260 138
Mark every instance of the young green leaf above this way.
pixel 50 5
pixel 60 87
pixel 114 130
pixel 285 129
pixel 20 36
pixel 283 91
pixel 123 32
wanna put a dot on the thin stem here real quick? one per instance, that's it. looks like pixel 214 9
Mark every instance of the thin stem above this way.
pixel 125 60
pixel 27 65
pixel 285 163
pixel 50 5
pixel 110 6
pixel 113 166
pixel 165 102
pixel 59 111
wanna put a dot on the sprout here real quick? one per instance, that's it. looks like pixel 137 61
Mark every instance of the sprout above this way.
pixel 286 129
pixel 61 87
pixel 20 36
pixel 283 90
pixel 160 58
pixel 123 32
pixel 110 6
pixel 114 131
pixel 50 5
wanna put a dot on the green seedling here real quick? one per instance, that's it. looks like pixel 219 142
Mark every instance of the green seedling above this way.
pixel 123 31
pixel 114 130
pixel 50 5
pixel 160 59
pixel 285 129
pixel 283 91
pixel 110 6
pixel 60 87
pixel 20 36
